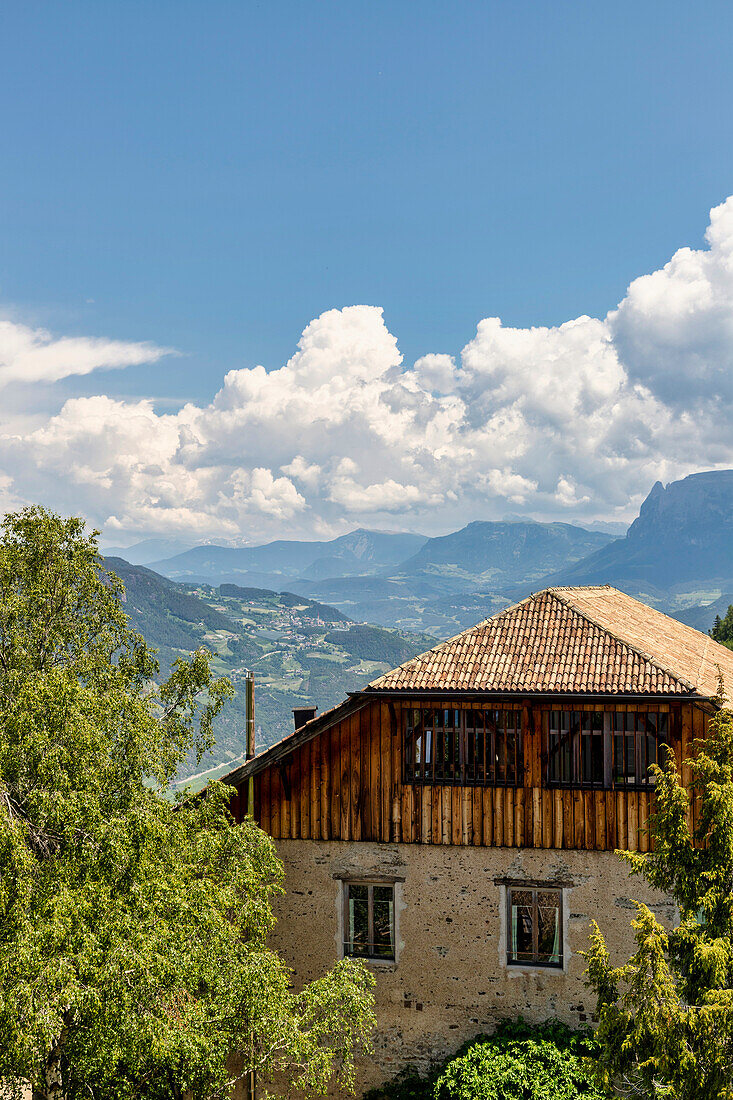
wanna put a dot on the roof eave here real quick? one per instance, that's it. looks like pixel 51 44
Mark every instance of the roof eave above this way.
pixel 528 693
pixel 283 748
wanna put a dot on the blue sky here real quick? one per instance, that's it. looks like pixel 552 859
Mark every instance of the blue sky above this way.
pixel 211 177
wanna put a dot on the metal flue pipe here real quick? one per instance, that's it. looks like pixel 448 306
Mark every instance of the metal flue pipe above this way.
pixel 249 711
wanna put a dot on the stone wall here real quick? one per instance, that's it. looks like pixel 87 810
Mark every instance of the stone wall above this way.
pixel 450 981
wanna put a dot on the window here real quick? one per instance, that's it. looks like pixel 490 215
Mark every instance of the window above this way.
pixel 534 926
pixel 603 748
pixel 369 925
pixel 636 740
pixel 447 745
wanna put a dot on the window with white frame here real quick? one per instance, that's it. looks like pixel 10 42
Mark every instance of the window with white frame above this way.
pixel 369 919
pixel 534 926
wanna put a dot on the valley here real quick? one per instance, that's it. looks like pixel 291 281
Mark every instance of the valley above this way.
pixel 302 651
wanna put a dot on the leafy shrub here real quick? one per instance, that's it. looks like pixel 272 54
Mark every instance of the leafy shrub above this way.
pixel 517 1062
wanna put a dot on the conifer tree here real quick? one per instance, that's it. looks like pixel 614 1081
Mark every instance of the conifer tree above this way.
pixel 666 1016
pixel 722 630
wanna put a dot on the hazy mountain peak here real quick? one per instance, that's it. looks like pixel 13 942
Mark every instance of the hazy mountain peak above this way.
pixel 681 541
pixel 696 506
pixel 149 550
pixel 505 552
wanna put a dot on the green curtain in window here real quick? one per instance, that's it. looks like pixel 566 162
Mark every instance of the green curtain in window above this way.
pixel 514 931
pixel 555 956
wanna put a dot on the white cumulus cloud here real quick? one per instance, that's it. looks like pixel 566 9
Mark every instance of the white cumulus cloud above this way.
pixel 33 355
pixel 573 421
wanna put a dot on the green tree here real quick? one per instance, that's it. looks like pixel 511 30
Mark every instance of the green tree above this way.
pixel 722 630
pixel 133 955
pixel 517 1062
pixel 666 1016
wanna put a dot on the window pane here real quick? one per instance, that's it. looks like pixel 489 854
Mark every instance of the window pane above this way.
pixel 474 748
pixel 449 745
pixel 520 751
pixel 553 750
pixel 576 754
pixel 618 756
pixel 440 753
pixel 384 922
pixel 444 757
pixel 490 745
pixel 521 949
pixel 500 747
pixel 597 760
pixel 417 753
pixel 358 914
pixel 548 926
pixel 511 750
pixel 586 757
pixel 630 759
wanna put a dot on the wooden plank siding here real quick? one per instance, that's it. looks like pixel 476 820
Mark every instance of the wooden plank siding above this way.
pixel 347 784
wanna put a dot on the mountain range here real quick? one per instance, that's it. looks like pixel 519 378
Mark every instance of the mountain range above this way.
pixel 360 552
pixel 142 553
pixel 397 580
pixel 676 554
pixel 405 591
pixel 679 547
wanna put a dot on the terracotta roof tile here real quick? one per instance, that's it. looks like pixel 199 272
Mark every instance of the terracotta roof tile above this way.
pixel 589 640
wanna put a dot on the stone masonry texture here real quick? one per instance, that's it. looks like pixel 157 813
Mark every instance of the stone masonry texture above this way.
pixel 451 982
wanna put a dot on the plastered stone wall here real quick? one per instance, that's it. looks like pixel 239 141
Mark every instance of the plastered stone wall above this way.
pixel 450 981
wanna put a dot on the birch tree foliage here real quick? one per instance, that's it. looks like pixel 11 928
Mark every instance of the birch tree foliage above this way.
pixel 133 956
pixel 666 1015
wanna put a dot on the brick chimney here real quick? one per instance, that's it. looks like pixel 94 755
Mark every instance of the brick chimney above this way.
pixel 301 715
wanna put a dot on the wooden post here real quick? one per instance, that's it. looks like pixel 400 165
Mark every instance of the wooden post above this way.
pixel 249 710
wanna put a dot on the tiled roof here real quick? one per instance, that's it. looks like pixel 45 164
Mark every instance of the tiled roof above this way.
pixel 588 640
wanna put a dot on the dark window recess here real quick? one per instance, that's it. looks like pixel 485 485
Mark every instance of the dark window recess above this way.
pixel 475 747
pixel 603 748
pixel 534 927
pixel 369 920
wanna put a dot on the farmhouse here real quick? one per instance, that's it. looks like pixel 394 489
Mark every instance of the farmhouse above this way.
pixel 454 823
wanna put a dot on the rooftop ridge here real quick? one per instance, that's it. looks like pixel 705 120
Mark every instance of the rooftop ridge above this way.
pixel 574 638
pixel 449 641
pixel 622 641
pixel 558 592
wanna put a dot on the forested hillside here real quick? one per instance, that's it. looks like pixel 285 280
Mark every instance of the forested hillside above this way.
pixel 302 651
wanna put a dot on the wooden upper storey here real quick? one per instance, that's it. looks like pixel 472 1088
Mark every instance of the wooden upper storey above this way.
pixel 350 782
pixel 533 729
